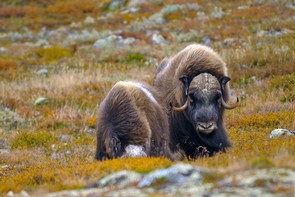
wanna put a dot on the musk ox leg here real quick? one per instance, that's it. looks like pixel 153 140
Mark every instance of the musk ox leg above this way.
pixel 100 153
pixel 100 138
pixel 114 147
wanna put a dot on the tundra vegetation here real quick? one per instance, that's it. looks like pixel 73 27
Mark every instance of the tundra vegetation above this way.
pixel 68 54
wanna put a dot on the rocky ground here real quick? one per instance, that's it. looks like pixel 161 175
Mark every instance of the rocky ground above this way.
pixel 186 180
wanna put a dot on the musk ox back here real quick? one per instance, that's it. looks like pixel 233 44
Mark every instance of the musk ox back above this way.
pixel 131 115
pixel 194 91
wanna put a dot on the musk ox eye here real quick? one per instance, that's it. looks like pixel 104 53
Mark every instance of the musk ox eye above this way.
pixel 192 97
pixel 216 97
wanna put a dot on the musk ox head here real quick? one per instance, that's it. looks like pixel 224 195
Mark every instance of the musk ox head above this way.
pixel 204 102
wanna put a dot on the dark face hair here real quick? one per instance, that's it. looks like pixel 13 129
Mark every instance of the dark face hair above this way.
pixel 204 109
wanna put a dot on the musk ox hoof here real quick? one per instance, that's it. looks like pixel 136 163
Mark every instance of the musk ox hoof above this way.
pixel 134 151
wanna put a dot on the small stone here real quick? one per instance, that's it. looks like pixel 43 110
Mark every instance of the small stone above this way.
pixel 3 49
pixel 10 193
pixel 217 13
pixel 104 42
pixel 134 151
pixel 176 174
pixel 280 132
pixel 159 39
pixel 42 43
pixel 64 138
pixel 57 156
pixel 127 41
pixel 207 40
pixel 120 179
pixel 5 167
pixel 24 193
pixel 41 101
pixel 116 4
pixel 229 41
pixel 42 71
pixel 89 20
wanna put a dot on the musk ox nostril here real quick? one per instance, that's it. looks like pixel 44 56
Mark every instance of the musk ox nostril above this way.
pixel 206 125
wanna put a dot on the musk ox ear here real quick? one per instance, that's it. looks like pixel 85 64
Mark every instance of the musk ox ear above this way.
pixel 223 81
pixel 185 80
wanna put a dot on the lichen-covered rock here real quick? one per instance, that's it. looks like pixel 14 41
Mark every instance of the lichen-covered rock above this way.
pixel 176 174
pixel 159 39
pixel 134 151
pixel 280 132
pixel 120 179
pixel 89 20
pixel 42 71
pixel 41 101
pixel 185 180
pixel 10 119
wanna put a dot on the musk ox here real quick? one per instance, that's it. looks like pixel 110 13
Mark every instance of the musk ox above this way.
pixel 195 91
pixel 131 115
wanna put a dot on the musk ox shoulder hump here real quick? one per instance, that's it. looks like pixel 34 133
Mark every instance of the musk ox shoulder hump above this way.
pixel 141 86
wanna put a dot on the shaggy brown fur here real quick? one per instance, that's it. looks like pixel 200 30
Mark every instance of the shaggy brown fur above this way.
pixel 173 77
pixel 191 61
pixel 130 114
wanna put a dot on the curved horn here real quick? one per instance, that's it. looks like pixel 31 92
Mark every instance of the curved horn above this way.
pixel 182 107
pixel 229 106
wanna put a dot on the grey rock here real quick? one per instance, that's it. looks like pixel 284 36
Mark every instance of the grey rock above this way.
pixel 4 152
pixel 126 41
pixel 84 36
pixel 75 24
pixel 281 132
pixel 64 138
pixel 174 175
pixel 89 20
pixel 134 151
pixel 79 193
pixel 130 10
pixel 207 40
pixel 136 2
pixel 116 4
pixel 242 7
pixel 120 179
pixel 186 180
pixel 42 43
pixel 3 49
pixel 105 42
pixel 24 193
pixel 273 33
pixel 10 193
pixel 217 13
pixel 176 7
pixel 15 36
pixel 57 156
pixel 256 182
pixel 229 41
pixel 157 19
pixel 159 40
pixel 42 71
pixel 201 15
pixel 41 101
pixel 5 167
pixel 43 32
pixel 10 119
pixel 190 36
pixel 130 192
